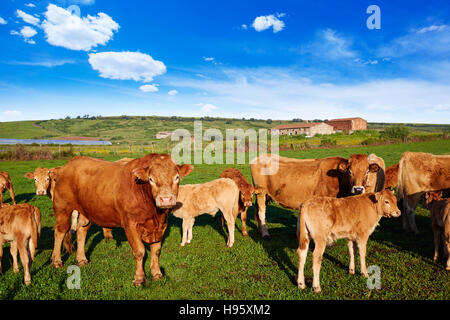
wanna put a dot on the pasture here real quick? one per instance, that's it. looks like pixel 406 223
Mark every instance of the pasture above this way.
pixel 253 269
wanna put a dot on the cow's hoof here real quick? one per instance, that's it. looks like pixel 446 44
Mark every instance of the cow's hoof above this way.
pixel 182 245
pixel 447 268
pixel 73 231
pixel 57 264
pixel 27 282
pixel 317 289
pixel 266 237
pixel 15 270
pixel 140 282
pixel 365 275
pixel 83 262
pixel 245 233
pixel 351 271
pixel 157 277
pixel 301 286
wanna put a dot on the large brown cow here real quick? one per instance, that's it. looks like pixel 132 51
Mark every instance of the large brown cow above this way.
pixel 291 181
pixel 5 183
pixel 136 196
pixel 246 191
pixel 418 173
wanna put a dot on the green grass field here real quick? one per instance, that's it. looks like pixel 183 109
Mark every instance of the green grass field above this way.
pixel 252 269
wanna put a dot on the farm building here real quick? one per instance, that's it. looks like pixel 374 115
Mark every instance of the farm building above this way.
pixel 163 134
pixel 308 128
pixel 348 124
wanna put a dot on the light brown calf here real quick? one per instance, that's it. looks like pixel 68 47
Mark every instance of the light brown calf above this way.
pixel 440 221
pixel 5 183
pixel 246 191
pixel 326 219
pixel 21 225
pixel 391 177
pixel 196 199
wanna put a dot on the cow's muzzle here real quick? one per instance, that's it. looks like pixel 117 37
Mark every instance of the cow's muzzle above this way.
pixel 248 203
pixel 357 190
pixel 41 192
pixel 165 202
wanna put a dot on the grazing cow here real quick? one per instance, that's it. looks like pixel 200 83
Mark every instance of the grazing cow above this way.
pixel 440 221
pixel 292 181
pixel 5 183
pixel 419 173
pixel 246 191
pixel 326 219
pixel 210 197
pixel 391 177
pixel 136 196
pixel 21 225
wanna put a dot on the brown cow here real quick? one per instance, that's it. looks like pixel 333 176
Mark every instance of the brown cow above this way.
pixel 391 177
pixel 21 225
pixel 210 197
pixel 291 181
pixel 5 183
pixel 136 196
pixel 440 221
pixel 246 191
pixel 326 219
pixel 419 173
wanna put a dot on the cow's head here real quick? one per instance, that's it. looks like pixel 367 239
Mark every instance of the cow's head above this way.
pixel 42 180
pixel 386 203
pixel 246 193
pixel 431 196
pixel 357 167
pixel 164 177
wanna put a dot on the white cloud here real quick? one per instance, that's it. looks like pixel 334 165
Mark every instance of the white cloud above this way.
pixel 149 88
pixel 12 113
pixel 126 65
pixel 262 23
pixel 207 107
pixel 84 2
pixel 30 5
pixel 208 58
pixel 330 45
pixel 28 18
pixel 172 92
pixel 432 28
pixel 42 63
pixel 27 33
pixel 244 26
pixel 3 21
pixel 63 29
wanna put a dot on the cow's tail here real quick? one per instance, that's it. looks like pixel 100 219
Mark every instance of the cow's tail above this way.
pixel 36 228
pixel 401 179
pixel 67 242
pixel 302 232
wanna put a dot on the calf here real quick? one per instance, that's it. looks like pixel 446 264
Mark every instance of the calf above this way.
pixel 325 219
pixel 440 221
pixel 195 199
pixel 5 183
pixel 391 177
pixel 246 191
pixel 21 225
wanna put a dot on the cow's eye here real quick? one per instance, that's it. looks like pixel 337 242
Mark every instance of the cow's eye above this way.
pixel 349 171
pixel 177 177
pixel 151 180
pixel 387 202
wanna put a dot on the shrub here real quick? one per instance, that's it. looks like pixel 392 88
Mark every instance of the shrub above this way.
pixel 396 132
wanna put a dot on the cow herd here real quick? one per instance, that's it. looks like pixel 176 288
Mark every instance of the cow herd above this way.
pixel 336 197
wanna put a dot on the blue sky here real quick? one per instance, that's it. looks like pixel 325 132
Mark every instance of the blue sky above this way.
pixel 265 59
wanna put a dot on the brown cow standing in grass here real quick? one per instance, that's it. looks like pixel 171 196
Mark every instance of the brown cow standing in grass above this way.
pixel 326 219
pixel 292 181
pixel 136 196
pixel 418 173
pixel 5 183
pixel 210 197
pixel 391 177
pixel 440 222
pixel 21 225
pixel 246 191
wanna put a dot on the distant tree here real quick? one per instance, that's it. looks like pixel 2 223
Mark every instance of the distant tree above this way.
pixel 228 122
pixel 78 117
pixel 269 121
pixel 68 118
pixel 297 120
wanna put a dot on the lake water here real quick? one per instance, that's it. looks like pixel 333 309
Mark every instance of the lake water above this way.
pixel 39 141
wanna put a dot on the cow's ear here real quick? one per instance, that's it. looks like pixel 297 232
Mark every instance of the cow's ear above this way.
pixel 439 195
pixel 427 195
pixel 185 169
pixel 141 174
pixel 258 190
pixel 343 165
pixel 374 197
pixel 29 175
pixel 373 167
pixel 52 174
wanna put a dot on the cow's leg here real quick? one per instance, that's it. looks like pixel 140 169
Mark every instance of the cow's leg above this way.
pixel 82 231
pixel 189 233
pixel 11 193
pixel 13 251
pixel 319 249
pixel 437 239
pixel 73 226
pixel 409 205
pixel 1 198
pixel 134 238
pixel 231 225
pixel 244 222
pixel 1 253
pixel 107 233
pixel 24 258
pixel 351 251
pixel 261 199
pixel 185 231
pixel 362 243
pixel 62 226
pixel 155 250
pixel 302 253
pixel 447 251
pixel 31 248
